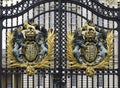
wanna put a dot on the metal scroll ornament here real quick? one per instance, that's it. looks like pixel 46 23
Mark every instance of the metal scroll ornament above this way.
pixel 89 48
pixel 30 47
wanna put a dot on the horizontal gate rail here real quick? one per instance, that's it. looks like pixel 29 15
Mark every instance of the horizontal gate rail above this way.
pixel 93 6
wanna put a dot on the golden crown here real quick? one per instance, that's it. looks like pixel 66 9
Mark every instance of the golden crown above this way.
pixel 90 33
pixel 30 31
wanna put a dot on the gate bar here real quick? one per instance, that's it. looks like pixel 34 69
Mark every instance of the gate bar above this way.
pixel 1 26
pixel 1 51
pixel 118 29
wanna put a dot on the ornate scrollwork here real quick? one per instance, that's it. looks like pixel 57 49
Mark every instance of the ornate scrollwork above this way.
pixel 30 47
pixel 89 48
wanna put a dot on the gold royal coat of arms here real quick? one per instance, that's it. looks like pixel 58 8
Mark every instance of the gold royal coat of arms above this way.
pixel 89 48
pixel 30 47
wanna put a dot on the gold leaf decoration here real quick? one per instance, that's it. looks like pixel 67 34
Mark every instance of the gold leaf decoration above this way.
pixel 46 62
pixel 90 69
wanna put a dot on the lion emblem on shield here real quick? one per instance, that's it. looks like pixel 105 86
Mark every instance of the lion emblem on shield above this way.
pixel 29 43
pixel 31 47
pixel 89 47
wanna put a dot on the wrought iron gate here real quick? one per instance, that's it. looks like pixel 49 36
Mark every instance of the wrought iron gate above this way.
pixel 62 16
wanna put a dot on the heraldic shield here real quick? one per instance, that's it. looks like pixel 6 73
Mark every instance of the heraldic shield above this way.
pixel 89 48
pixel 90 53
pixel 31 51
pixel 31 47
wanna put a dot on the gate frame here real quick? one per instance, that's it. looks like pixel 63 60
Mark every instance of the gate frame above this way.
pixel 60 80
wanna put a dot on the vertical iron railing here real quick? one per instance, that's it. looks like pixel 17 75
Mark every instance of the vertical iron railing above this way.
pixel 1 27
pixel 58 68
pixel 0 49
pixel 60 45
pixel 118 29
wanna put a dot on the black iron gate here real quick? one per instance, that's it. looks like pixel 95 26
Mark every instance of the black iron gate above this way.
pixel 62 16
